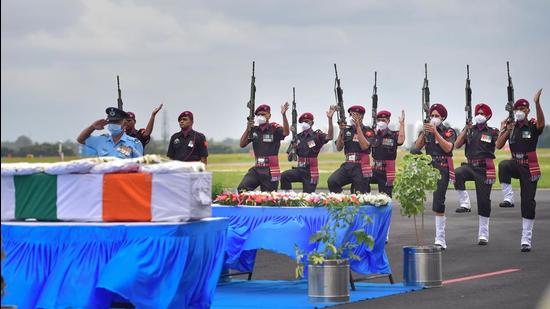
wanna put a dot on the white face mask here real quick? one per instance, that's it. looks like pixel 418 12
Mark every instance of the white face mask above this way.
pixel 519 115
pixel 381 125
pixel 435 121
pixel 261 120
pixel 480 119
pixel 304 126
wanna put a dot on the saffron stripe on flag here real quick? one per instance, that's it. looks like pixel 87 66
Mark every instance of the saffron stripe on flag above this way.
pixel 127 197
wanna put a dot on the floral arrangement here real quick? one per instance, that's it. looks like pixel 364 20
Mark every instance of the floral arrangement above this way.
pixel 294 199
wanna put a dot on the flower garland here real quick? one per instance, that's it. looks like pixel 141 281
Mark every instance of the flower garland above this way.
pixel 293 199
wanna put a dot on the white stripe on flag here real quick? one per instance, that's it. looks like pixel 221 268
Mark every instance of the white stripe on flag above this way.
pixel 8 198
pixel 80 197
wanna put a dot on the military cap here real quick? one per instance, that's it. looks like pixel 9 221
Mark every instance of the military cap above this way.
pixel 305 116
pixel 114 113
pixel 440 109
pixel 131 115
pixel 357 108
pixel 520 103
pixel 262 108
pixel 383 114
pixel 485 109
pixel 186 114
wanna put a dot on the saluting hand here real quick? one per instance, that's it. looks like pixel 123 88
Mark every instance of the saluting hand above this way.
pixel 402 117
pixel 284 108
pixel 331 111
pixel 99 124
pixel 156 110
pixel 537 96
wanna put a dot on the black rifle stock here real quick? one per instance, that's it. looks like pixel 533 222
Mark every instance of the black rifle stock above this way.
pixel 291 151
pixel 119 100
pixel 426 101
pixel 468 107
pixel 252 102
pixel 338 92
pixel 510 90
pixel 374 102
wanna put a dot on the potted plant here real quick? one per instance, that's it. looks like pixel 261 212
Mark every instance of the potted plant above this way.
pixel 333 246
pixel 422 264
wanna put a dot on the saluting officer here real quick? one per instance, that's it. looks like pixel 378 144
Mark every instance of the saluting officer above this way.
pixel 522 137
pixel 144 135
pixel 354 140
pixel 188 144
pixel 440 146
pixel 266 140
pixel 116 144
pixel 480 140
pixel 308 146
pixel 384 151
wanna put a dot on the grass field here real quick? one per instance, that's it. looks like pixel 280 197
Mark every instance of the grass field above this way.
pixel 228 169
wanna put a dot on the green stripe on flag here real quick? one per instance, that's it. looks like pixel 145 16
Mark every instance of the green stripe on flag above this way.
pixel 36 197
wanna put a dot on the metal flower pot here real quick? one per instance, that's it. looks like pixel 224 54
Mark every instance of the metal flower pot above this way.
pixel 328 282
pixel 422 265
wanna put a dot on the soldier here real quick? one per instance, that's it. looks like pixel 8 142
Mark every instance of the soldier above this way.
pixel 144 135
pixel 354 140
pixel 308 146
pixel 116 144
pixel 266 139
pixel 187 144
pixel 384 151
pixel 522 137
pixel 480 140
pixel 440 146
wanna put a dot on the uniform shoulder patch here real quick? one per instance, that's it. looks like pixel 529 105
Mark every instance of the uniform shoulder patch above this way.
pixel 142 130
pixel 275 125
pixel 533 121
pixel 370 133
pixel 205 144
pixel 449 133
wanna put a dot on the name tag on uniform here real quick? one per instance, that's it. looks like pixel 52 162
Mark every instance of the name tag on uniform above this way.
pixel 486 138
pixel 190 144
pixel 261 160
pixel 526 134
pixel 351 157
pixel 125 150
pixel 387 142
pixel 355 138
pixel 311 144
pixel 267 138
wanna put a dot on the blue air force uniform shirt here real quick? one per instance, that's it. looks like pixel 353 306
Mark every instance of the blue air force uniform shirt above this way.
pixel 104 146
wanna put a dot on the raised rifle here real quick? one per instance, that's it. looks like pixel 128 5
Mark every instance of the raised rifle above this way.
pixel 119 100
pixel 291 151
pixel 374 102
pixel 426 101
pixel 468 107
pixel 252 102
pixel 338 92
pixel 510 90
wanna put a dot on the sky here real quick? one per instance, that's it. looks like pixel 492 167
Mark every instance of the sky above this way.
pixel 60 59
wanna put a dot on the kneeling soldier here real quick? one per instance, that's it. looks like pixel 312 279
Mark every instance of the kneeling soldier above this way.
pixel 308 146
pixel 480 142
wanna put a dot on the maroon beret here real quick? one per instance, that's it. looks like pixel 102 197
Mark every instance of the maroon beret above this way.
pixel 383 114
pixel 305 116
pixel 131 115
pixel 262 108
pixel 186 114
pixel 520 103
pixel 440 109
pixel 485 109
pixel 357 108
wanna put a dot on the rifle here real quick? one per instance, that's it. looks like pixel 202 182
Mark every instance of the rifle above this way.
pixel 291 151
pixel 426 101
pixel 374 102
pixel 119 100
pixel 510 90
pixel 468 107
pixel 338 92
pixel 252 102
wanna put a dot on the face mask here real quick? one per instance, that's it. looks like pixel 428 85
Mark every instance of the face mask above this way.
pixel 435 121
pixel 480 119
pixel 114 128
pixel 381 125
pixel 305 126
pixel 261 120
pixel 519 115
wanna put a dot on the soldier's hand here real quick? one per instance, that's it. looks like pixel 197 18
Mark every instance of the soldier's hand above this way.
pixel 249 124
pixel 342 124
pixel 99 124
pixel 402 117
pixel 357 121
pixel 284 108
pixel 428 127
pixel 156 110
pixel 331 111
pixel 537 96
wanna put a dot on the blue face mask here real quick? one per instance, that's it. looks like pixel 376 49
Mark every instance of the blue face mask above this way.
pixel 114 128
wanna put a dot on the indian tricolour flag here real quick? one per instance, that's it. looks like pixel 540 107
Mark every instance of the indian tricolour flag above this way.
pixel 106 197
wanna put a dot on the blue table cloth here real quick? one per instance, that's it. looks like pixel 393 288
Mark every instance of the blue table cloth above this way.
pixel 83 265
pixel 279 228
